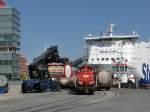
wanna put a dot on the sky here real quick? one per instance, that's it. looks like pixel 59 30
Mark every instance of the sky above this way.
pixel 66 23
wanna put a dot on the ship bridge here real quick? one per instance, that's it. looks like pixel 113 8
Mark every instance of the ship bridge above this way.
pixel 132 38
pixel 111 37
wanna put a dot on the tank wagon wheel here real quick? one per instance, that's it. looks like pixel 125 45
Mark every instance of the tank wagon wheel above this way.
pixel 38 88
pixel 98 89
pixel 108 88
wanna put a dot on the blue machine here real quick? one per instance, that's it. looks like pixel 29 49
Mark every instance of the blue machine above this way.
pixel 4 89
pixel 39 85
pixel 3 84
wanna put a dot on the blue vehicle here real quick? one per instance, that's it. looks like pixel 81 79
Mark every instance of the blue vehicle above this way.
pixel 40 79
pixel 4 89
pixel 3 84
pixel 39 85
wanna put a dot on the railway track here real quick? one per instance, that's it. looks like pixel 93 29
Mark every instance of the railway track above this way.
pixel 70 102
pixel 107 96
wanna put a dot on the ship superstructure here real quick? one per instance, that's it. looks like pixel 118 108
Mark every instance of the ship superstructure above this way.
pixel 104 50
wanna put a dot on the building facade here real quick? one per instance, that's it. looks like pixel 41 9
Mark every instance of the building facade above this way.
pixel 9 42
pixel 24 71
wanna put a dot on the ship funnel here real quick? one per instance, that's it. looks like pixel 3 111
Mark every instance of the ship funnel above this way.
pixel 110 29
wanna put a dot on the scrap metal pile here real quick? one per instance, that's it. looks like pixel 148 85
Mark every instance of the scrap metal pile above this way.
pixel 38 68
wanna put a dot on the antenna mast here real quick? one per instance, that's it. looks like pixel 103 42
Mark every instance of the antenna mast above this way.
pixel 110 29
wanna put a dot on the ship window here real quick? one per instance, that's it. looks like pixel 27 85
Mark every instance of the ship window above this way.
pixel 102 59
pixel 118 58
pixel 92 59
pixel 97 59
pixel 112 58
pixel 107 59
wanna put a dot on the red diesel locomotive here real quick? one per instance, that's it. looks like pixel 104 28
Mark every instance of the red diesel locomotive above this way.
pixel 85 79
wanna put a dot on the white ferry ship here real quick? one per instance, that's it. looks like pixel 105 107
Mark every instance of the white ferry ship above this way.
pixel 105 49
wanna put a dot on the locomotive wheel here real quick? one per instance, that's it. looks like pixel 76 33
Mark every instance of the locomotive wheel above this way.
pixel 108 88
pixel 86 91
pixel 91 91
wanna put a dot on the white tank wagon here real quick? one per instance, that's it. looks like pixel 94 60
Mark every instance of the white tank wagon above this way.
pixel 104 80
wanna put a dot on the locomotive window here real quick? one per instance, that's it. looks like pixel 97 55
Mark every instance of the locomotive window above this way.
pixel 125 68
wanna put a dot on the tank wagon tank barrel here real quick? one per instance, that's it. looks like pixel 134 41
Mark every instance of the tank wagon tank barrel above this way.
pixel 104 79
